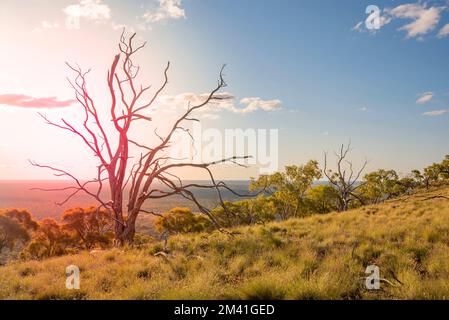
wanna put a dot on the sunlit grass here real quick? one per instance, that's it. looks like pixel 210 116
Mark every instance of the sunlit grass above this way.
pixel 319 257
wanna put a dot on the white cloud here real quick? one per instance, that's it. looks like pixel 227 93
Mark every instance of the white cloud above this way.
pixel 46 25
pixel 182 100
pixel 384 19
pixel 424 19
pixel 363 109
pixel 168 9
pixel 255 103
pixel 211 116
pixel 94 10
pixel 225 101
pixel 425 97
pixel 435 113
pixel 358 27
pixel 49 25
pixel 444 32
pixel 130 28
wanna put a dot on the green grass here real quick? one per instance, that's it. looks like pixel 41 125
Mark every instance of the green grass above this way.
pixel 319 257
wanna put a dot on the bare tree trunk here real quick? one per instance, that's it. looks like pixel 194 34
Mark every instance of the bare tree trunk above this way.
pixel 128 104
pixel 125 235
pixel 344 180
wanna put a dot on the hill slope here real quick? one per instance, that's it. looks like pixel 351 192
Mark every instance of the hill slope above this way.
pixel 319 257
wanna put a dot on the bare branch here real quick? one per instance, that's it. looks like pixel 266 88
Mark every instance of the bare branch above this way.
pixel 115 170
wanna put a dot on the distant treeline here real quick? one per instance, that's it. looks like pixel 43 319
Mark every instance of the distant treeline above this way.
pixel 293 193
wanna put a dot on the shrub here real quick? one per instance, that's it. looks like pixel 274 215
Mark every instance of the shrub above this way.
pixel 16 227
pixel 89 227
pixel 182 220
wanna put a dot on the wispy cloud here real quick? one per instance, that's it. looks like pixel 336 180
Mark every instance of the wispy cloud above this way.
pixel 363 109
pixel 49 25
pixel 94 10
pixel 100 11
pixel 425 97
pixel 435 113
pixel 358 26
pixel 424 18
pixel 444 32
pixel 46 25
pixel 24 101
pixel 168 9
pixel 211 116
pixel 256 103
pixel 224 101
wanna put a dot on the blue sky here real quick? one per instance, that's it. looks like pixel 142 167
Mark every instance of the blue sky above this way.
pixel 305 54
pixel 335 82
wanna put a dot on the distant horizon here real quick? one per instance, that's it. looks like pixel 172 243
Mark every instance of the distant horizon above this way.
pixel 41 204
pixel 83 180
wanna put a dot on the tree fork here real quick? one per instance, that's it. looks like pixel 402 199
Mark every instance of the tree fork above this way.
pixel 114 163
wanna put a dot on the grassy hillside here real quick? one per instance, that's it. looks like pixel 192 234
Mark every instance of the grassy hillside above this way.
pixel 320 257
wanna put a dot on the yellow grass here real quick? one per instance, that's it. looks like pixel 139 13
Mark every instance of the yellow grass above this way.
pixel 319 257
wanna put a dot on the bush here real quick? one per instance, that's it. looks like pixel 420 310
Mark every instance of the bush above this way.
pixel 246 212
pixel 182 220
pixel 50 240
pixel 89 227
pixel 81 228
pixel 16 228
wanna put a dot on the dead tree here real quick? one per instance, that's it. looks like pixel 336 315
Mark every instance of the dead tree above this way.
pixel 344 179
pixel 115 172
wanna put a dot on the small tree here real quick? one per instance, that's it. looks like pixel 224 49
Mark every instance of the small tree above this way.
pixel 431 174
pixel 129 103
pixel 344 178
pixel 381 185
pixel 182 220
pixel 11 232
pixel 322 199
pixel 50 240
pixel 16 226
pixel 289 187
pixel 246 212
pixel 444 167
pixel 90 226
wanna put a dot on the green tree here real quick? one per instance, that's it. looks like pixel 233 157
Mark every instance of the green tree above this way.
pixel 182 220
pixel 444 167
pixel 289 188
pixel 431 174
pixel 90 226
pixel 16 227
pixel 322 199
pixel 381 185
pixel 11 232
pixel 246 212
pixel 50 240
